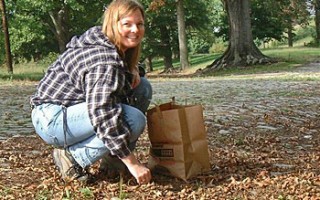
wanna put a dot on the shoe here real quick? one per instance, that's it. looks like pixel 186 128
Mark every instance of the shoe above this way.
pixel 112 166
pixel 68 167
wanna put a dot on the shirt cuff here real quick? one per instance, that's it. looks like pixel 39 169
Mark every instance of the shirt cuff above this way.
pixel 121 152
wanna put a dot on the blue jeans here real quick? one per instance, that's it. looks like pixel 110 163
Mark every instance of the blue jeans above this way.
pixel 81 140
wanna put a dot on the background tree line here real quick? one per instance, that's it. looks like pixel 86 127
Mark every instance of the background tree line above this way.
pixel 40 29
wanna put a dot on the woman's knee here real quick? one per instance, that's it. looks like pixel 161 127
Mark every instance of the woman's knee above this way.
pixel 146 88
pixel 142 95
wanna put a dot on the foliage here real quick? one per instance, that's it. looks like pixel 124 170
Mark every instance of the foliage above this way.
pixel 28 36
pixel 199 45
pixel 270 19
pixel 220 22
pixel 163 14
pixel 266 25
pixel 305 32
pixel 33 33
pixel 218 46
pixel 201 40
pixel 49 59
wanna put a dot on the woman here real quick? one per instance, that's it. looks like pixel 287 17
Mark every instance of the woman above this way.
pixel 91 102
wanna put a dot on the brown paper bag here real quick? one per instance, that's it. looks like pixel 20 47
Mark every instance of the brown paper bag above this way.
pixel 178 139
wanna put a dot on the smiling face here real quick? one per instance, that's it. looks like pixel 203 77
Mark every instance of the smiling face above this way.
pixel 131 30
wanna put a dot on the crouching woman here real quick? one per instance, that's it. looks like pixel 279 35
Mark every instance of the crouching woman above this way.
pixel 91 102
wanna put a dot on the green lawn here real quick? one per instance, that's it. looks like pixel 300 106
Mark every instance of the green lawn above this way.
pixel 297 55
pixel 25 71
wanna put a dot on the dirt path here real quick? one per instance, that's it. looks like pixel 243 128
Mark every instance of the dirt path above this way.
pixel 263 132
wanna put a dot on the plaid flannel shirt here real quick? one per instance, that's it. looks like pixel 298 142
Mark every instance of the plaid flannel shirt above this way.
pixel 91 71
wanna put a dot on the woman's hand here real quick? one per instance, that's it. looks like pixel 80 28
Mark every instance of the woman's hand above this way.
pixel 141 173
pixel 136 78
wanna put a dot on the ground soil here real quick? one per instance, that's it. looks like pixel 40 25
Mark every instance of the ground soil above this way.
pixel 263 134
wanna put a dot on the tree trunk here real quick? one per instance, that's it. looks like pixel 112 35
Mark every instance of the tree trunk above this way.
pixel 59 20
pixel 166 48
pixel 290 36
pixel 148 62
pixel 183 48
pixel 317 20
pixel 6 36
pixel 241 50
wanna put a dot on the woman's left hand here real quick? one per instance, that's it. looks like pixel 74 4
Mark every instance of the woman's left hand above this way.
pixel 136 78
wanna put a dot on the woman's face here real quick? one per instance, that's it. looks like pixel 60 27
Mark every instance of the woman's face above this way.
pixel 131 29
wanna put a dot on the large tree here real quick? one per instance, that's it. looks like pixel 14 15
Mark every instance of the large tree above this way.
pixel 241 50
pixel 183 48
pixel 316 4
pixel 6 36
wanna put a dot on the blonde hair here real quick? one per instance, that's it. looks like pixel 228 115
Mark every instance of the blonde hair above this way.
pixel 114 12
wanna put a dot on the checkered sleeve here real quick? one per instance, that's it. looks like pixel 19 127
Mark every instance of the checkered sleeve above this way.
pixel 102 85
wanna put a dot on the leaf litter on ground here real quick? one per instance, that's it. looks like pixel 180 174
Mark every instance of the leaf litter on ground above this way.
pixel 263 144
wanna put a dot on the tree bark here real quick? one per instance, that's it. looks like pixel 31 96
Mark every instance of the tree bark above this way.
pixel 166 48
pixel 290 35
pixel 241 49
pixel 6 36
pixel 317 20
pixel 60 29
pixel 148 62
pixel 183 48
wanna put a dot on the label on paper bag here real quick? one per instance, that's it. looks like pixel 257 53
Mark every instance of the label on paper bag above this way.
pixel 163 152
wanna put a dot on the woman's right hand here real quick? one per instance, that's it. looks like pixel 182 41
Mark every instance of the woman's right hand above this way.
pixel 141 173
pixel 136 78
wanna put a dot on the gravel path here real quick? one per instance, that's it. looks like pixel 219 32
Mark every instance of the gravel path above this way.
pixel 14 109
pixel 235 100
pixel 249 103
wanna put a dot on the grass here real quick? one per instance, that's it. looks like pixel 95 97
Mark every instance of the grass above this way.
pixel 24 71
pixel 298 55
pixel 289 59
pixel 196 62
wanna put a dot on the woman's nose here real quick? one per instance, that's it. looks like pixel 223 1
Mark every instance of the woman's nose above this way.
pixel 134 28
